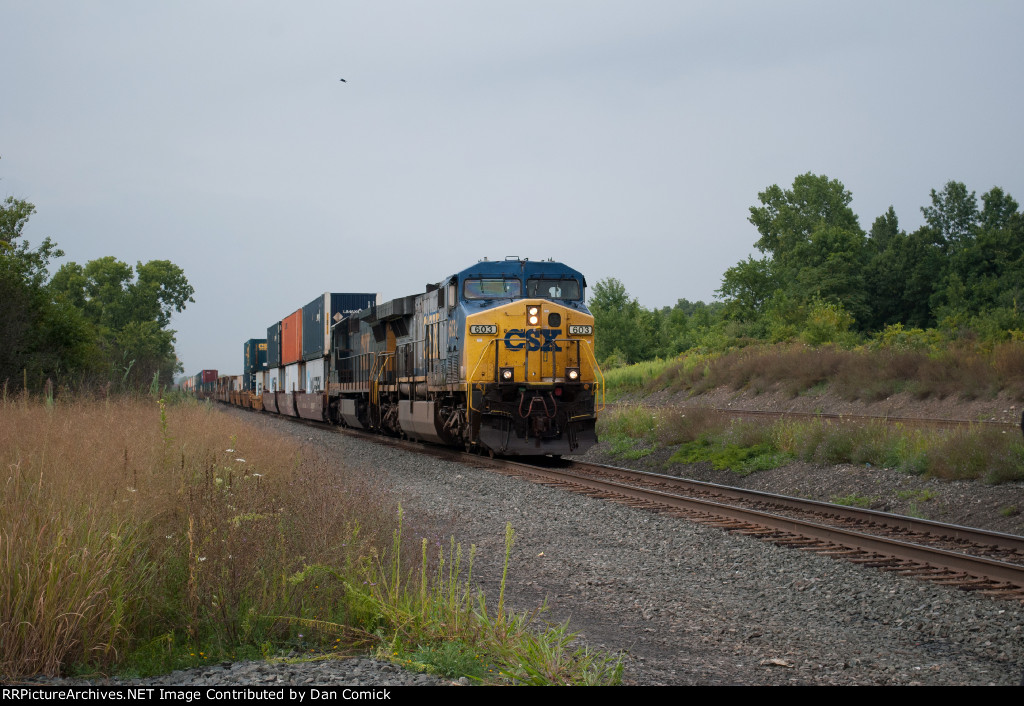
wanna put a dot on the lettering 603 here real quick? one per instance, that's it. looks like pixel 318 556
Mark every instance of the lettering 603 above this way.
pixel 483 329
pixel 581 330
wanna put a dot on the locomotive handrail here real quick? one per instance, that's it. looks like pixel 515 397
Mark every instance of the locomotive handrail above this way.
pixel 383 359
pixel 490 343
pixel 469 378
pixel 601 385
pixel 362 366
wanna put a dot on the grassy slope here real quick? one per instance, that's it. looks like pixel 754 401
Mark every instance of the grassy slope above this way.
pixel 954 383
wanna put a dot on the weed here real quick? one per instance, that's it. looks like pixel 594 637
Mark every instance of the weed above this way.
pixel 921 495
pixel 634 422
pixel 450 659
pixel 853 500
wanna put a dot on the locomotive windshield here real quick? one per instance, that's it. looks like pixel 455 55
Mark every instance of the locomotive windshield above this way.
pixel 553 288
pixel 493 288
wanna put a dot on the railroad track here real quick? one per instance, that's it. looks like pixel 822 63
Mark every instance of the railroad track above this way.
pixel 971 559
pixel 968 558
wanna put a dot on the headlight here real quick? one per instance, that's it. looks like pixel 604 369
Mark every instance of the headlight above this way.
pixel 572 374
pixel 506 375
pixel 533 315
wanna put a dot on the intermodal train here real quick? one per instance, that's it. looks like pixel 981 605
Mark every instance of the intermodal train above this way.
pixel 203 384
pixel 498 357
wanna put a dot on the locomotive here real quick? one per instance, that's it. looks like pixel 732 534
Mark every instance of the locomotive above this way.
pixel 498 357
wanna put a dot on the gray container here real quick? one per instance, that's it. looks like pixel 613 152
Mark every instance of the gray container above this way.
pixel 274 346
pixel 325 311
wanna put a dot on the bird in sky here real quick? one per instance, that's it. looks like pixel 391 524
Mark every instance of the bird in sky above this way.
pixel 344 81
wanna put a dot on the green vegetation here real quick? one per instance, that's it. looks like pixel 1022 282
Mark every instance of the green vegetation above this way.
pixel 917 496
pixel 869 372
pixel 139 538
pixel 950 290
pixel 746 447
pixel 102 325
pixel 852 500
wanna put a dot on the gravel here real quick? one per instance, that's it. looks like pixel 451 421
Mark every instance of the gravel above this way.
pixel 683 603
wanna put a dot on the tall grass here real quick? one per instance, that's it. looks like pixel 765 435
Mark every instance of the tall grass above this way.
pixel 868 373
pixel 704 435
pixel 633 378
pixel 142 538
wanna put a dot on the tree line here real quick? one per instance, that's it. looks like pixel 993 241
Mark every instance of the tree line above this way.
pixel 102 324
pixel 822 277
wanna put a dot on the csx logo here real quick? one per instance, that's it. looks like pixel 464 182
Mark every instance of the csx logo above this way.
pixel 533 339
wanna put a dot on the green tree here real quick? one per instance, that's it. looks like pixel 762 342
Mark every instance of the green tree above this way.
pixel 41 338
pixel 746 288
pixel 953 215
pixel 815 247
pixel 787 219
pixel 130 311
pixel 620 326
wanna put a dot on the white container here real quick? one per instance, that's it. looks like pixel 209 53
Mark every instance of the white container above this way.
pixel 316 379
pixel 272 380
pixel 295 377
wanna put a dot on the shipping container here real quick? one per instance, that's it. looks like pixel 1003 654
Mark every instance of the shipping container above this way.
pixel 209 376
pixel 255 355
pixel 272 379
pixel 315 378
pixel 274 346
pixel 294 377
pixel 254 361
pixel 325 311
pixel 291 338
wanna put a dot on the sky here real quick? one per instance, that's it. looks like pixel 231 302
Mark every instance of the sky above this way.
pixel 625 139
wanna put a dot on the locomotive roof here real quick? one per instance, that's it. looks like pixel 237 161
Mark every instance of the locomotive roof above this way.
pixel 521 268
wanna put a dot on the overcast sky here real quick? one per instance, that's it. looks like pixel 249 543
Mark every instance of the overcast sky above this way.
pixel 627 139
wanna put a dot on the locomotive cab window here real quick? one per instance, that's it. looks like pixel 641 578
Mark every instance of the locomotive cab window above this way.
pixel 492 288
pixel 553 289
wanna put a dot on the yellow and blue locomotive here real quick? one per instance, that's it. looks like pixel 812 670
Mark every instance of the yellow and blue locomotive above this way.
pixel 499 356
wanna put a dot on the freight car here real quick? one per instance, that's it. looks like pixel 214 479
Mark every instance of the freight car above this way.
pixel 497 357
pixel 204 384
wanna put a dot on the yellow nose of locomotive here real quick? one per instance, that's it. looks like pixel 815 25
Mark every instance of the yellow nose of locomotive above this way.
pixel 530 342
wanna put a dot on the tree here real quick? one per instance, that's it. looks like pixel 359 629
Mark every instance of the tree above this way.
pixel 953 215
pixel 999 210
pixel 129 310
pixel 160 290
pixel 788 218
pixel 746 288
pixel 40 338
pixel 816 248
pixel 620 326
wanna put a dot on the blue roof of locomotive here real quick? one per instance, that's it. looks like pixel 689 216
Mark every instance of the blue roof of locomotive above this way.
pixel 521 268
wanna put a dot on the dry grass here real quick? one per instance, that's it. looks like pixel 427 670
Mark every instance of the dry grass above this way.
pixel 139 538
pixel 694 435
pixel 121 528
pixel 868 374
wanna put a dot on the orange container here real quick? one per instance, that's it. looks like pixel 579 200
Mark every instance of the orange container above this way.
pixel 291 338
